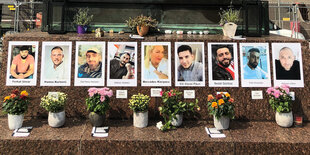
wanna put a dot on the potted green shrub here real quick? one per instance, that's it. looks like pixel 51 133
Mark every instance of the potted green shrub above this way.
pixel 229 20
pixel 142 24
pixel 54 103
pixel 139 105
pixel 15 105
pixel 98 103
pixel 82 19
pixel 222 108
pixel 173 108
pixel 281 102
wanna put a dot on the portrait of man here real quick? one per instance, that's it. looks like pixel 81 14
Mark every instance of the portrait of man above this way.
pixel 223 68
pixel 22 66
pixel 251 70
pixel 58 69
pixel 287 67
pixel 93 66
pixel 120 68
pixel 188 69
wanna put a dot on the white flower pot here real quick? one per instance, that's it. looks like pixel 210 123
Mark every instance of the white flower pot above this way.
pixel 178 121
pixel 56 120
pixel 229 29
pixel 284 119
pixel 222 123
pixel 15 121
pixel 140 119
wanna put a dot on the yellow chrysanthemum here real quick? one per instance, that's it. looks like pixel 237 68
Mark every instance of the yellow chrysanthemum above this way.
pixel 227 95
pixel 24 93
pixel 221 101
pixel 6 98
pixel 214 104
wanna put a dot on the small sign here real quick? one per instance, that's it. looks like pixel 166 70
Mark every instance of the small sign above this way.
pixel 220 92
pixel 53 95
pixel 257 94
pixel 10 6
pixel 286 19
pixel 12 9
pixel 189 94
pixel 121 93
pixel 155 92
pixel 292 94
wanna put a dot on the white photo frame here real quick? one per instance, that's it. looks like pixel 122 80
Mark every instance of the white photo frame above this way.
pixel 85 79
pixel 121 77
pixel 294 77
pixel 260 76
pixel 33 47
pixel 215 81
pixel 148 76
pixel 61 76
pixel 197 66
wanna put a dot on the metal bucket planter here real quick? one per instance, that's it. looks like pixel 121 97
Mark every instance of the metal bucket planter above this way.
pixel 140 119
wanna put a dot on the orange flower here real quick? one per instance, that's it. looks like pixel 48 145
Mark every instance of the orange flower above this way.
pixel 221 101
pixel 231 100
pixel 214 104
pixel 13 95
pixel 210 97
pixel 24 93
pixel 6 98
pixel 227 95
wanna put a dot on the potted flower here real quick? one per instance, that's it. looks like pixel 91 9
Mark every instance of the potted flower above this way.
pixel 173 108
pixel 229 20
pixel 281 102
pixel 222 108
pixel 15 106
pixel 141 24
pixel 139 104
pixel 54 103
pixel 82 19
pixel 98 103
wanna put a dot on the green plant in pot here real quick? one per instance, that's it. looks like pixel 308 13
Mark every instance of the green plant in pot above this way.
pixel 139 103
pixel 15 105
pixel 173 108
pixel 281 101
pixel 97 104
pixel 141 24
pixel 54 103
pixel 229 20
pixel 82 19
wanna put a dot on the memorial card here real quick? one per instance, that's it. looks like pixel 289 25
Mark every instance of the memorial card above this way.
pixel 22 63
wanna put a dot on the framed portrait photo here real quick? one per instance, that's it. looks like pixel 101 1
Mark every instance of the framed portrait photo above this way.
pixel 56 64
pixel 255 69
pixel 223 65
pixel 156 64
pixel 189 64
pixel 89 63
pixel 287 64
pixel 122 64
pixel 22 63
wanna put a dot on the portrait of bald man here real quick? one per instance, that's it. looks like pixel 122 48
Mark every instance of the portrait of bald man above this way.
pixel 287 66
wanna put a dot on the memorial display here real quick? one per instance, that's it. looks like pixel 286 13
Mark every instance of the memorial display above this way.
pixel 22 63
pixel 56 64
pixel 122 64
pixel 255 70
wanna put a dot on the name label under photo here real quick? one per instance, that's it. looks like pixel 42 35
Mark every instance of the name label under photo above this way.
pixel 155 92
pixel 121 93
pixel 190 94
pixel 257 94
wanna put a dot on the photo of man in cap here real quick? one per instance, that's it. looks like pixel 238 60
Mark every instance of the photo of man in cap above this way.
pixel 23 64
pixel 93 66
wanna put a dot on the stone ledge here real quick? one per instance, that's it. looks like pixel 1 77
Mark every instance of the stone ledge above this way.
pixel 190 138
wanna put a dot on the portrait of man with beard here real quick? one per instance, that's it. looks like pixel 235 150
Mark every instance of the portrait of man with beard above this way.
pixel 251 69
pixel 23 64
pixel 223 67
pixel 121 68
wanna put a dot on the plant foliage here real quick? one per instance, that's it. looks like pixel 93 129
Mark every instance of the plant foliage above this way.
pixel 141 20
pixel 280 99
pixel 221 105
pixel 83 17
pixel 54 104
pixel 229 15
pixel 98 100
pixel 16 103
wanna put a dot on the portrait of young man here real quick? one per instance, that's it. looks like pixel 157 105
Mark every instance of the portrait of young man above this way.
pixel 255 70
pixel 223 65
pixel 189 63
pixel 122 64
pixel 56 67
pixel 89 68
pixel 22 61
pixel 156 64
pixel 287 62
